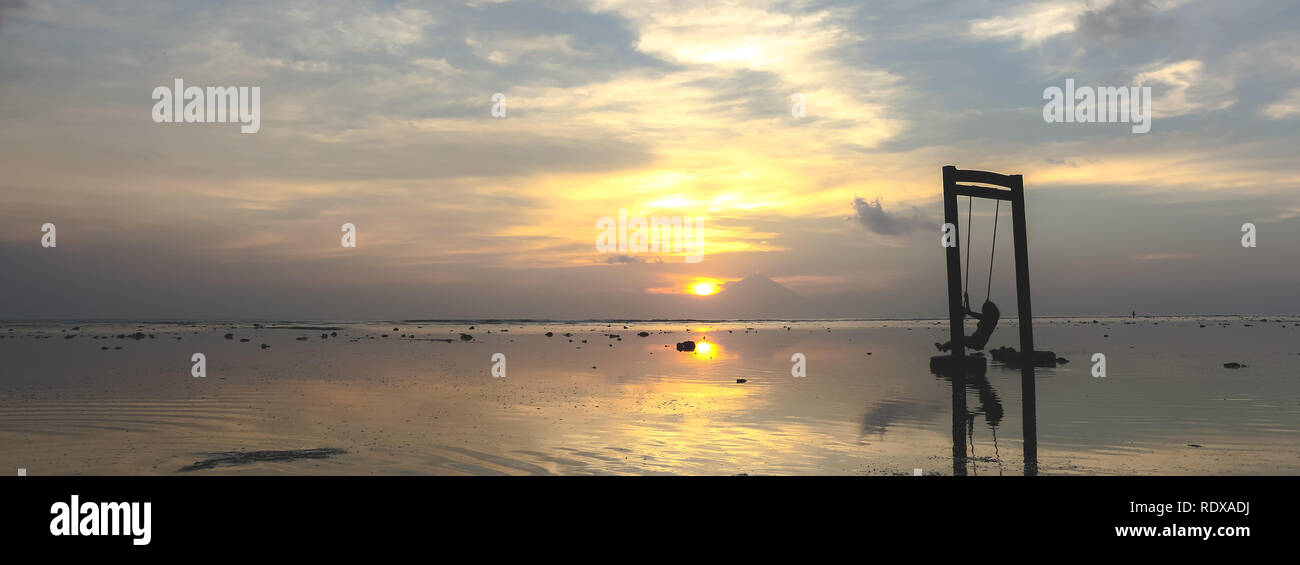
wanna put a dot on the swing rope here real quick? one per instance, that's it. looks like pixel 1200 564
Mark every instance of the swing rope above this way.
pixel 970 202
pixel 992 250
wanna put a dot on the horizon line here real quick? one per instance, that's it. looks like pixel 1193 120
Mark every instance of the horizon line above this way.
pixel 606 320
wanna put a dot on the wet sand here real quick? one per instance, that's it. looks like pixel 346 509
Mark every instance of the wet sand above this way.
pixel 360 403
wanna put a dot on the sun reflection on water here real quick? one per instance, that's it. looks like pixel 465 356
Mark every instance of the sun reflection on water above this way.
pixel 706 350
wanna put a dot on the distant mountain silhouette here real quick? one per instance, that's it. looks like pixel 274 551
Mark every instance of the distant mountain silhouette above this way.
pixel 756 296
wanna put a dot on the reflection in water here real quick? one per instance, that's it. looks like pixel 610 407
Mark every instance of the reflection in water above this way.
pixel 71 402
pixel 706 350
pixel 990 406
pixel 963 419
pixel 876 421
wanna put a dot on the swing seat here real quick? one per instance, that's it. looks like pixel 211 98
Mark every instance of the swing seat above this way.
pixel 974 364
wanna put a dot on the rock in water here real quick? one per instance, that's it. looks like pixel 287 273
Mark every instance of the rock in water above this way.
pixel 466 337
pixel 742 380
pixel 687 345
pixel 1009 356
pixel 973 364
pixel 1002 354
pixel 1233 365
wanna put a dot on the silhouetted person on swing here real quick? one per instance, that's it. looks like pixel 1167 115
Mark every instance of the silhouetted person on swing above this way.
pixel 988 320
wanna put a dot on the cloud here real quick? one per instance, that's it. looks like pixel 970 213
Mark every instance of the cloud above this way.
pixel 6 5
pixel 872 215
pixel 1123 21
pixel 1031 24
pixel 1188 89
pixel 1286 107
pixel 1101 21
pixel 623 259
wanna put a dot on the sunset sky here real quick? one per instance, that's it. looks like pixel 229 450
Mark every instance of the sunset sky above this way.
pixel 378 114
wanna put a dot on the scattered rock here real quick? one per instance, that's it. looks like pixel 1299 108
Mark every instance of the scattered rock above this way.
pixel 643 334
pixel 742 380
pixel 234 458
pixel 687 345
pixel 1233 365
pixel 467 337
pixel 265 346
pixel 550 334
pixel 229 336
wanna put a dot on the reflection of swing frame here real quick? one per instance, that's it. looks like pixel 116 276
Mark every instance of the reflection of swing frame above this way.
pixel 1015 194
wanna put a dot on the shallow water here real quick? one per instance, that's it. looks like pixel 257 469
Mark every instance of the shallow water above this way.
pixel 635 405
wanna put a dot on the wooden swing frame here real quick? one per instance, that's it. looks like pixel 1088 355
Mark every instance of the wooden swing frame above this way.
pixel 1015 194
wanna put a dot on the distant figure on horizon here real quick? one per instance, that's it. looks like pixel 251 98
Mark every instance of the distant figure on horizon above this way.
pixel 1135 314
pixel 988 320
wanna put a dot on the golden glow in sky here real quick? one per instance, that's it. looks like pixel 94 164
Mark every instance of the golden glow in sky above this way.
pixel 704 288
pixel 638 109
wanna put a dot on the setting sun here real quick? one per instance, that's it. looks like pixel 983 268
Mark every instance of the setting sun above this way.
pixel 704 288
